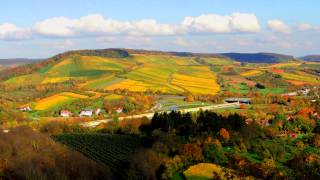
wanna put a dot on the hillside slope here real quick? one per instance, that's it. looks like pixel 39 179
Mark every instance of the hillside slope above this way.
pixel 114 69
pixel 163 72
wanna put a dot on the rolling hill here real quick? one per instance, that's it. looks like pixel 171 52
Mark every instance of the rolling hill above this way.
pixel 114 69
pixel 162 72
pixel 315 58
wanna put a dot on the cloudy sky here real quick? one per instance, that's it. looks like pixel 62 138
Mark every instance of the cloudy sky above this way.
pixel 42 28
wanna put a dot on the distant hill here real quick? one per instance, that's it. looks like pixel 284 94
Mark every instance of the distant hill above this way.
pixel 311 58
pixel 17 61
pixel 258 57
pixel 173 53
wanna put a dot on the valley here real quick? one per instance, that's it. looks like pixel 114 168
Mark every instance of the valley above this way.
pixel 116 106
pixel 159 90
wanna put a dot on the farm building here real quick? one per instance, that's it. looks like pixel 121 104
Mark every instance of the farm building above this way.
pixel 305 91
pixel 65 113
pixel 97 111
pixel 239 100
pixel 25 109
pixel 5 130
pixel 119 109
pixel 87 113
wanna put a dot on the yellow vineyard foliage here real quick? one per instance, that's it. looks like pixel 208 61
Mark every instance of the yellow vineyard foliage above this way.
pixel 300 77
pixel 210 171
pixel 54 80
pixel 113 97
pixel 128 84
pixel 57 99
pixel 285 64
pixel 250 73
pixel 196 85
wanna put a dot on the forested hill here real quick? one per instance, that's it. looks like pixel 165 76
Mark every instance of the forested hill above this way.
pixel 258 57
pixel 311 58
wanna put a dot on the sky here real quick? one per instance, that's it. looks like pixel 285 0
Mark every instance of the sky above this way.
pixel 43 28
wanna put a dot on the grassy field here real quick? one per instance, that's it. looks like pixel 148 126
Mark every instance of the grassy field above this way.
pixel 272 90
pixel 168 104
pixel 242 88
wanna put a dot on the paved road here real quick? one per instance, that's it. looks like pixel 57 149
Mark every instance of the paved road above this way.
pixel 150 115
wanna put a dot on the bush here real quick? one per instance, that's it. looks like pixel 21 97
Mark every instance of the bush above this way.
pixel 55 127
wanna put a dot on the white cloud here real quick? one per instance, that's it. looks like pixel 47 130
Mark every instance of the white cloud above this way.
pixel 213 23
pixel 242 22
pixel 57 26
pixel 278 26
pixel 207 23
pixel 98 25
pixel 12 32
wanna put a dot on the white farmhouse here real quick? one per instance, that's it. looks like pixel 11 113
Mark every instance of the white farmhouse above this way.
pixel 119 109
pixel 87 113
pixel 65 113
pixel 25 109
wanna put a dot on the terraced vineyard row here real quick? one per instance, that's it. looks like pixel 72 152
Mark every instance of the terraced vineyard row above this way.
pixel 111 150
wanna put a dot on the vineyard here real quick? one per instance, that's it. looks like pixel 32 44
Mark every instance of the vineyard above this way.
pixel 111 150
pixel 57 100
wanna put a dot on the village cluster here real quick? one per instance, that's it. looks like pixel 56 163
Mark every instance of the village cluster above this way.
pixel 82 113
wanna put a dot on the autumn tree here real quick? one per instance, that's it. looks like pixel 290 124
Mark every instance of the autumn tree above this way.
pixel 189 98
pixel 224 134
pixel 316 140
pixel 191 151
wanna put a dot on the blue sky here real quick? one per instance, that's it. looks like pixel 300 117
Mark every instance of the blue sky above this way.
pixel 42 28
